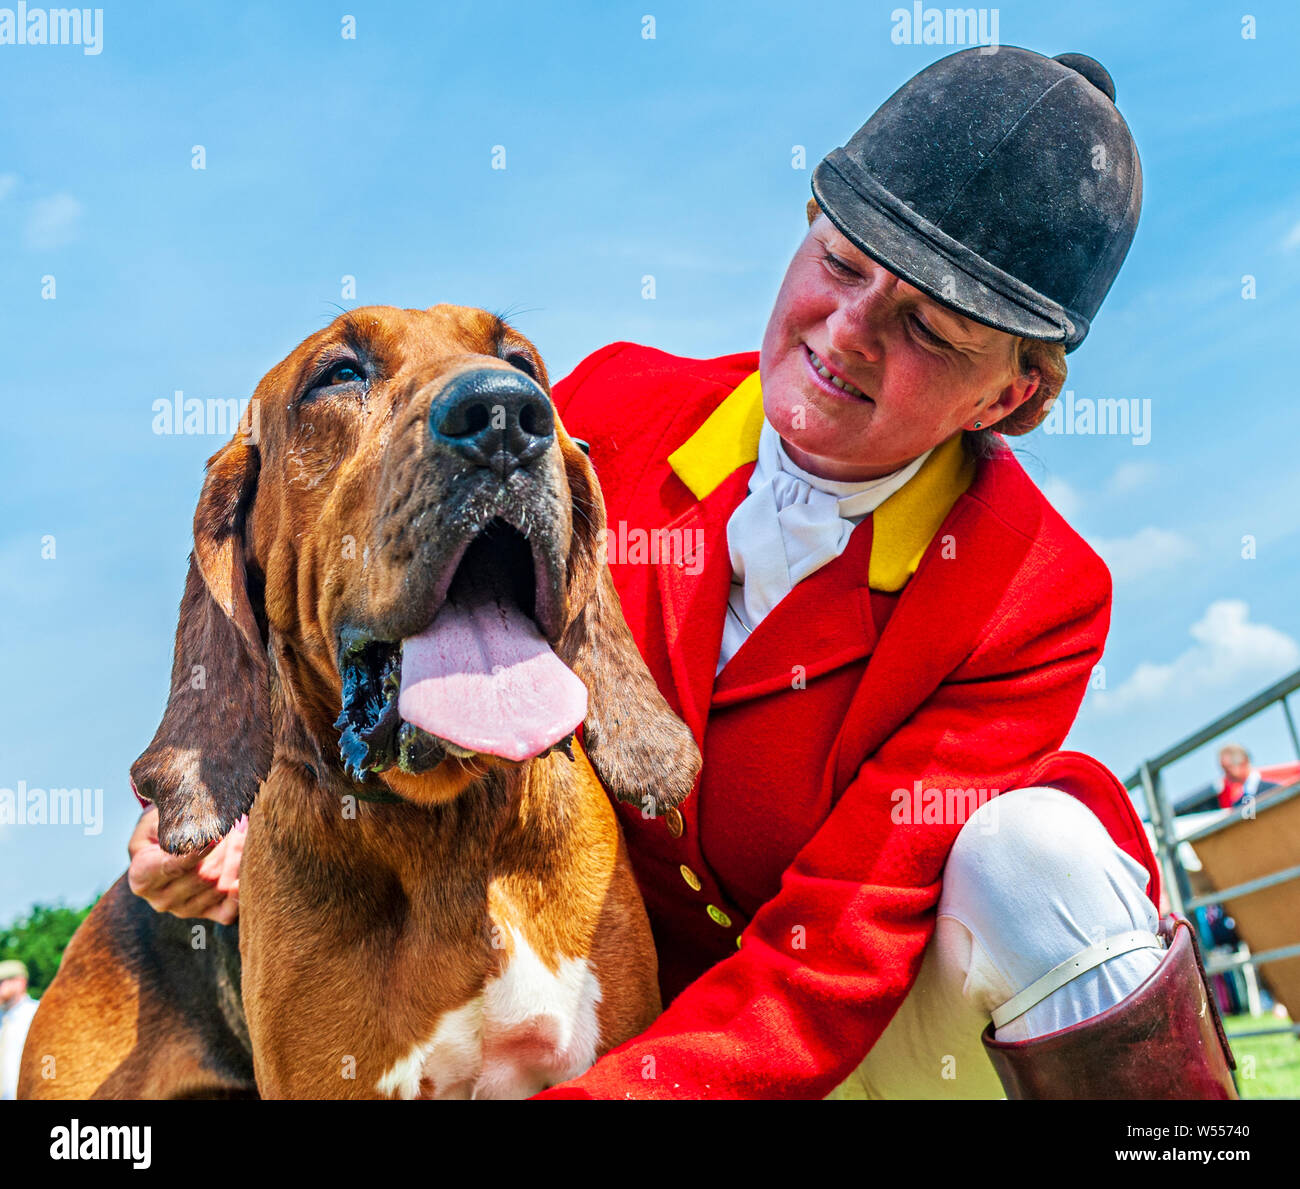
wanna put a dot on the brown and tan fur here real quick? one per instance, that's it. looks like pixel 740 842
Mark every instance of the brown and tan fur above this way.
pixel 363 921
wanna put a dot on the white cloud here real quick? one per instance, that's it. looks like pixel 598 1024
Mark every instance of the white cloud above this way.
pixel 1147 550
pixel 1291 240
pixel 1129 476
pixel 52 222
pixel 1061 496
pixel 1227 649
pixel 8 183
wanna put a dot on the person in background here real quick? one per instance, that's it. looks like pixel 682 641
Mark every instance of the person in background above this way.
pixel 16 1011
pixel 1240 779
pixel 1242 782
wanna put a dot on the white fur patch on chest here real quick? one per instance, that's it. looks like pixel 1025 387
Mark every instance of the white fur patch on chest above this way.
pixel 528 1029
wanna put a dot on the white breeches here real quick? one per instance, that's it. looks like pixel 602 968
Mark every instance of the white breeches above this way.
pixel 1033 878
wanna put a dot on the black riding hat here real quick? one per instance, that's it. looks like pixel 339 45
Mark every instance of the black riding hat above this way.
pixel 1001 183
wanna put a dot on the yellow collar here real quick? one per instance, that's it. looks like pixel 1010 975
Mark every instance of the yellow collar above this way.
pixel 903 525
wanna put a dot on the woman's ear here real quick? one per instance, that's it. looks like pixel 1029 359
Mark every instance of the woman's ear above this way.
pixel 213 747
pixel 1014 410
pixel 643 753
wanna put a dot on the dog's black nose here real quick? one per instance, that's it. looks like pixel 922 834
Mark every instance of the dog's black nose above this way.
pixel 494 418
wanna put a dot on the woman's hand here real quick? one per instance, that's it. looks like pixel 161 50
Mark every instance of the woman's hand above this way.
pixel 201 885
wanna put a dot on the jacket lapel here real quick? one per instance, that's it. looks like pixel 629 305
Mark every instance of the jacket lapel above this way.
pixel 694 596
pixel 959 590
pixel 715 463
pixel 825 621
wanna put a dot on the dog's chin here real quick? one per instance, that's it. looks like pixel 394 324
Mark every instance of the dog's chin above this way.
pixel 375 740
pixel 445 783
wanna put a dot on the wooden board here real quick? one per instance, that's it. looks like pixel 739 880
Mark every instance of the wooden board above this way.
pixel 1268 919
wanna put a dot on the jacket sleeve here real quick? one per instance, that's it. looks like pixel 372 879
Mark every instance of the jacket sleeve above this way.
pixel 826 963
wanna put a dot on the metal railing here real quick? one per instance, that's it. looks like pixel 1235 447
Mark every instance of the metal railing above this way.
pixel 1148 777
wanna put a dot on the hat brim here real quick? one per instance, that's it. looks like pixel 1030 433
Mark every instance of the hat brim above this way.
pixel 895 236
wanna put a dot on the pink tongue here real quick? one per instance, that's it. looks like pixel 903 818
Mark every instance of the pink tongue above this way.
pixel 483 677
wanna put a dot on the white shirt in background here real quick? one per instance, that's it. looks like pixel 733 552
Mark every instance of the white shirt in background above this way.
pixel 14 1023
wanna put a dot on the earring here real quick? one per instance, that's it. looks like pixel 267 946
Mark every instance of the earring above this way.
pixel 977 424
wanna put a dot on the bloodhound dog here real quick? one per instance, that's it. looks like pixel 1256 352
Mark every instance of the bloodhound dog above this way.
pixel 397 614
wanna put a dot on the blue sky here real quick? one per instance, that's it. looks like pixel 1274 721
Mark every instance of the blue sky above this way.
pixel 371 157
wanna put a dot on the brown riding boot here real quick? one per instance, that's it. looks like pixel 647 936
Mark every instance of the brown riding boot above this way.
pixel 1165 1040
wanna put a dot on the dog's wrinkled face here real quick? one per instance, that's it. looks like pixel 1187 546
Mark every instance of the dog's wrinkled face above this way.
pixel 426 513
pixel 415 540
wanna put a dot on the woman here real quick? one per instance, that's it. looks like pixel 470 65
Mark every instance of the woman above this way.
pixel 880 633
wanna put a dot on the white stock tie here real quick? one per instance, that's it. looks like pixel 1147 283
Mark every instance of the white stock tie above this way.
pixel 790 525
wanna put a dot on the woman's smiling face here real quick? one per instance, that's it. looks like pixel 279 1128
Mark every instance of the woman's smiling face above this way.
pixel 921 371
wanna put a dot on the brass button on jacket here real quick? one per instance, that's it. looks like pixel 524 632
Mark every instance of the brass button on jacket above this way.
pixel 691 878
pixel 673 820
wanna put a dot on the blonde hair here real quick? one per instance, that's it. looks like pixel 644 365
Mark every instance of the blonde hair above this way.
pixel 1047 358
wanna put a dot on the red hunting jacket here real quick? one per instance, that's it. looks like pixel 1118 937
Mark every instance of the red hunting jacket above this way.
pixel 948 647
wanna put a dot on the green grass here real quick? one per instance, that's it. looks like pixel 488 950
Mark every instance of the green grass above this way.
pixel 1267 1066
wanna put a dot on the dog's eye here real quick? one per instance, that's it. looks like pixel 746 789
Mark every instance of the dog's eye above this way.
pixel 523 362
pixel 342 373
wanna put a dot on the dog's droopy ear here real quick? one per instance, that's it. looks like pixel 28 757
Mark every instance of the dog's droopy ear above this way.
pixel 213 747
pixel 643 753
